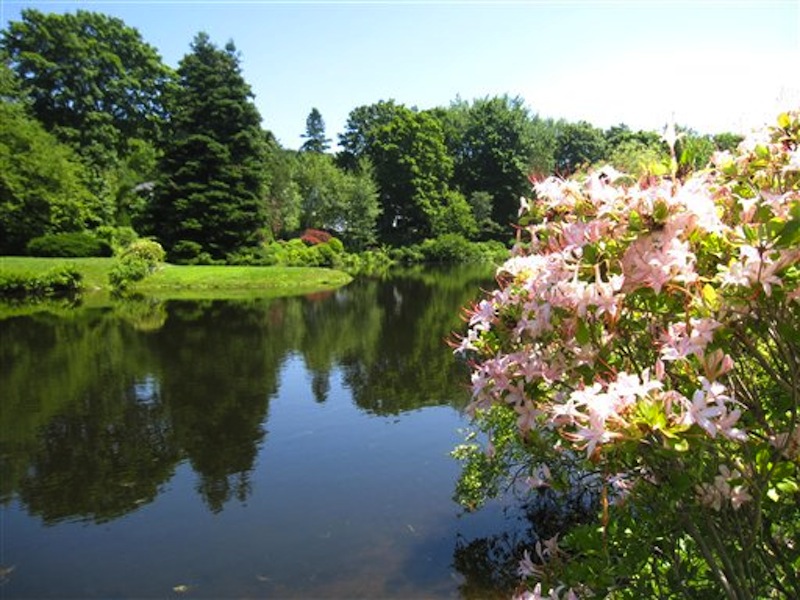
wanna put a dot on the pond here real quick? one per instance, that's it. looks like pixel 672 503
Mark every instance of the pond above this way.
pixel 271 448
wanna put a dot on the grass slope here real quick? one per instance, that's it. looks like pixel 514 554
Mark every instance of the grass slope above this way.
pixel 193 281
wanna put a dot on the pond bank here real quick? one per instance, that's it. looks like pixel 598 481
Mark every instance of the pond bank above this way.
pixel 191 281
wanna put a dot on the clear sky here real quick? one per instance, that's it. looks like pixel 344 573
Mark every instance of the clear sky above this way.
pixel 716 65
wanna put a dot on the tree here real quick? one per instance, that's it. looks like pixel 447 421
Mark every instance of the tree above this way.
pixel 636 153
pixel 413 170
pixel 577 145
pixel 41 182
pixel 727 141
pixel 496 145
pixel 90 77
pixel 362 209
pixel 315 134
pixel 357 140
pixel 93 82
pixel 322 192
pixel 336 200
pixel 210 193
pixel 282 196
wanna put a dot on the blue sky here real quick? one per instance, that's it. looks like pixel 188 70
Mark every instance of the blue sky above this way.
pixel 716 65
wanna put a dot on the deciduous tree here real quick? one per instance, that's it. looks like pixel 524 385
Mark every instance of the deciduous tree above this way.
pixel 41 180
pixel 496 145
pixel 577 145
pixel 90 77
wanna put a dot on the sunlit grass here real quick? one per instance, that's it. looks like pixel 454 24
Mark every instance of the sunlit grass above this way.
pixel 192 281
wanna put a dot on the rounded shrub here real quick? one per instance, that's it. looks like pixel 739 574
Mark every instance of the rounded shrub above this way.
pixel 72 244
pixel 135 263
pixel 150 251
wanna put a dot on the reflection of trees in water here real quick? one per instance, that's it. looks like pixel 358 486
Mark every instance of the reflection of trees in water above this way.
pixel 77 441
pixel 217 378
pixel 412 365
pixel 130 392
pixel 100 467
pixel 489 564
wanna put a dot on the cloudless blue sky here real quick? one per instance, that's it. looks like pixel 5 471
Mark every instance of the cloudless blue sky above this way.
pixel 716 65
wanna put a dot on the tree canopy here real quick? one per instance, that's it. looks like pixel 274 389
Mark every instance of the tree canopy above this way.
pixel 92 113
pixel 90 77
pixel 210 194
pixel 496 145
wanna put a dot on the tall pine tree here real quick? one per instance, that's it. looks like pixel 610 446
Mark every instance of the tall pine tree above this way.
pixel 315 134
pixel 209 197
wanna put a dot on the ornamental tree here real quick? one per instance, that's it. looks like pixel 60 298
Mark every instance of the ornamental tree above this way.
pixel 642 346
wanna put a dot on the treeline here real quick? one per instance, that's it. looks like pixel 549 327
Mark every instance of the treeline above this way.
pixel 98 136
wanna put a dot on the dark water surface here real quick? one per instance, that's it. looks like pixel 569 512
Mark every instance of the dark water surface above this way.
pixel 265 448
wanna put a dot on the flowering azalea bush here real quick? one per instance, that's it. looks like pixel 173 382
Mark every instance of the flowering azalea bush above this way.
pixel 644 345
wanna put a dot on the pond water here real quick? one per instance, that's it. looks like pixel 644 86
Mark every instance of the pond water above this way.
pixel 269 448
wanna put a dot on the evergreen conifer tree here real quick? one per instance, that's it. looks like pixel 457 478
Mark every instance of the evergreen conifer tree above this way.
pixel 209 197
pixel 315 133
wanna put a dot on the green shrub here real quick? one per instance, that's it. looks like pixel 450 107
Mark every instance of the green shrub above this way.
pixel 260 256
pixel 336 245
pixel 69 245
pixel 147 250
pixel 63 280
pixel 135 263
pixel 118 238
pixel 127 271
pixel 451 248
pixel 369 263
pixel 185 252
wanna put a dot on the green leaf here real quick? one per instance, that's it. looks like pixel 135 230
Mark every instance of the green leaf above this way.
pixel 710 296
pixel 582 335
pixel 788 486
pixel 790 234
pixel 660 211
pixel 634 221
pixel 681 446
pixel 784 121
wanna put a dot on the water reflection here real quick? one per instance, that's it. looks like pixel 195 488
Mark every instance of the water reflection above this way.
pixel 297 419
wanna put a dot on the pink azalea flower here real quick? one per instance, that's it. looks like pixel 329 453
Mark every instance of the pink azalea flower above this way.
pixel 482 316
pixel 739 496
pixel 593 435
pixel 527 568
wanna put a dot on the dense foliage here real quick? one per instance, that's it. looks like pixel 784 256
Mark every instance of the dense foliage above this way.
pixel 497 144
pixel 89 76
pixel 98 134
pixel 92 81
pixel 59 281
pixel 210 192
pixel 642 351
pixel 42 187
pixel 72 244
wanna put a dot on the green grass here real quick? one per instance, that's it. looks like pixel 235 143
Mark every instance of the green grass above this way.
pixel 173 281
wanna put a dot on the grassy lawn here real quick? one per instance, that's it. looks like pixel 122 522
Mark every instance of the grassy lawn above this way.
pixel 193 281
